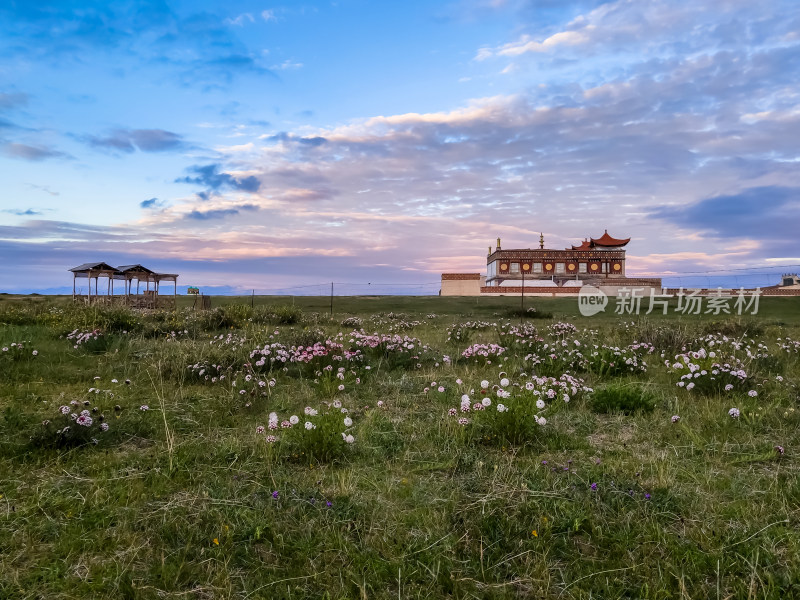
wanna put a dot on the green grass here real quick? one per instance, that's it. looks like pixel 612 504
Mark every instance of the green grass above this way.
pixel 178 501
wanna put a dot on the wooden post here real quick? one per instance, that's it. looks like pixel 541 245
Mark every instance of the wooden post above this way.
pixel 74 276
pixel 137 285
pixel 89 291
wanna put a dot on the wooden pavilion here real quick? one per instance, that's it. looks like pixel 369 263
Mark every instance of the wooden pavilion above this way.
pixel 127 274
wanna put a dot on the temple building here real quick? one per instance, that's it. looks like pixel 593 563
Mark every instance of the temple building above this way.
pixel 594 261
pixel 548 271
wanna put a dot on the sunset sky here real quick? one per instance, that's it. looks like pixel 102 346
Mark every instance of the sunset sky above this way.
pixel 262 145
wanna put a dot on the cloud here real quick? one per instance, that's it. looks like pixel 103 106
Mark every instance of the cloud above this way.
pixel 241 20
pixel 215 214
pixel 768 212
pixel 151 203
pixel 197 49
pixel 268 15
pixel 213 178
pixel 44 188
pixel 22 212
pixel 31 153
pixel 145 140
pixel 287 64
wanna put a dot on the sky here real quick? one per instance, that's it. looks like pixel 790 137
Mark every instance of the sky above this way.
pixel 282 146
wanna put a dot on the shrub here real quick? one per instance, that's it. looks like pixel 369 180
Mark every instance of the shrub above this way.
pixel 625 398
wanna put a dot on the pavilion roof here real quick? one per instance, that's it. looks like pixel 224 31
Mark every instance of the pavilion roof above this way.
pixel 96 266
pixel 133 268
pixel 585 245
pixel 607 240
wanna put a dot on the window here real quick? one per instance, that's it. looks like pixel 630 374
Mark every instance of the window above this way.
pixel 603 268
pixel 537 267
pixel 559 267
pixel 514 267
pixel 581 267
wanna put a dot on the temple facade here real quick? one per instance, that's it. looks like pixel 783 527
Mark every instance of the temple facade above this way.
pixel 541 271
pixel 594 261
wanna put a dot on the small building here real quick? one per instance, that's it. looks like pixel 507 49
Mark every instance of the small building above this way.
pixel 149 298
pixel 790 280
pixel 462 284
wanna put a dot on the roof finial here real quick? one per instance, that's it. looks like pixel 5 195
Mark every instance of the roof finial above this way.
pixel 541 240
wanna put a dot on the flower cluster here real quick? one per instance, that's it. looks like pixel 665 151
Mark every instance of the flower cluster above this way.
pixel 88 340
pixel 205 372
pixel 248 385
pixel 17 351
pixel 73 426
pixel 700 370
pixel 322 434
pixel 332 381
pixel 612 361
pixel 484 352
pixel 513 412
pixel 461 333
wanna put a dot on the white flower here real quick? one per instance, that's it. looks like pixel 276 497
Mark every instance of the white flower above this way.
pixel 504 382
pixel 309 425
pixel 486 402
pixel 310 411
pixel 484 384
pixel 465 398
pixel 540 404
pixel 541 420
pixel 341 387
pixel 734 413
pixel 501 408
pixel 337 404
pixel 690 385
pixel 348 421
pixel 752 393
pixel 349 439
pixel 144 408
pixel 294 419
pixel 675 418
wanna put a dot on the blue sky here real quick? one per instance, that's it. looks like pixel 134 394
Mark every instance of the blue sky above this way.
pixel 266 145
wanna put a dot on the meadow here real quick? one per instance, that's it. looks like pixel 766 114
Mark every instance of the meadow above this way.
pixel 399 447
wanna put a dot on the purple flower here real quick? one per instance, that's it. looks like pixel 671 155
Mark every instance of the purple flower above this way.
pixel 329 503
pixel 594 487
pixel 275 494
pixel 779 450
pixel 647 496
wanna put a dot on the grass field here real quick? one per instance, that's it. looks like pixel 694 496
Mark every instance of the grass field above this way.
pixel 482 454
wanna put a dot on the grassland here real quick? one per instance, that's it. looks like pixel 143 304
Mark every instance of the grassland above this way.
pixel 611 498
